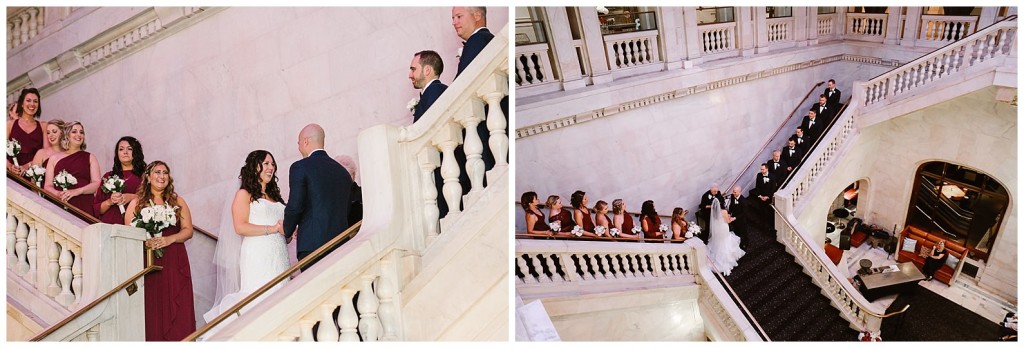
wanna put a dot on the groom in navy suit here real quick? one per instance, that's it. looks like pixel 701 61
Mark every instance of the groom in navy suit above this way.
pixel 424 70
pixel 319 197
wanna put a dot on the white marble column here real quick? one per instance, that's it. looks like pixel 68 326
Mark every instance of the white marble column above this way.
pixel 746 27
pixel 987 17
pixel 892 26
pixel 691 38
pixel 594 42
pixel 760 29
pixel 911 26
pixel 670 29
pixel 561 43
pixel 812 26
pixel 803 22
pixel 840 24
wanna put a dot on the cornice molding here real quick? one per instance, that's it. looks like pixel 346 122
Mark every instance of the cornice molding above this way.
pixel 106 48
pixel 549 126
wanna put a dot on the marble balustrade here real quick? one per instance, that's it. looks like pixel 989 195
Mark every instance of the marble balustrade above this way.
pixel 632 49
pixel 866 26
pixel 23 25
pixel 938 31
pixel 826 26
pixel 780 30
pixel 533 65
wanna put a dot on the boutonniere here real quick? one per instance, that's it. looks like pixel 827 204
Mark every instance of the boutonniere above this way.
pixel 412 104
pixel 458 55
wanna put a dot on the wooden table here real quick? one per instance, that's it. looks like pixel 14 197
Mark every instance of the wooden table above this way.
pixel 882 283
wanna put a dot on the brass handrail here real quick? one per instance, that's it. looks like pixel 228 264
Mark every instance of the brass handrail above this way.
pixel 776 133
pixel 236 309
pixel 739 301
pixel 833 274
pixel 81 311
pixel 79 213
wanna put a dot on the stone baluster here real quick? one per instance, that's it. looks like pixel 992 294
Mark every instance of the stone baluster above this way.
pixel 368 303
pixel 538 266
pixel 629 266
pixel 622 263
pixel 446 140
pixel 12 237
pixel 470 115
pixel 53 266
pixel 569 267
pixel 387 311
pixel 552 268
pixel 656 267
pixel 306 330
pixel 524 267
pixel 16 31
pixel 428 160
pixel 33 22
pixel 600 267
pixel 33 252
pixel 492 93
pixel 10 35
pixel 93 334
pixel 66 259
pixel 76 274
pixel 24 27
pixel 21 245
pixel 586 267
pixel 642 265
pixel 347 318
pixel 327 331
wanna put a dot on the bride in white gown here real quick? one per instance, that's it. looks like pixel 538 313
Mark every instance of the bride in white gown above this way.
pixel 724 246
pixel 255 252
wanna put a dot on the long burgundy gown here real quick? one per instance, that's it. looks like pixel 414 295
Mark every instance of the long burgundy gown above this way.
pixel 77 164
pixel 113 215
pixel 170 307
pixel 564 219
pixel 30 142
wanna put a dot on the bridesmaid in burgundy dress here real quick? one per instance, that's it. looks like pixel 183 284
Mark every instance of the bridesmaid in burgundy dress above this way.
pixel 581 213
pixel 54 132
pixel 679 224
pixel 26 129
pixel 80 164
pixel 601 215
pixel 556 213
pixel 622 220
pixel 129 164
pixel 170 310
pixel 649 221
pixel 534 218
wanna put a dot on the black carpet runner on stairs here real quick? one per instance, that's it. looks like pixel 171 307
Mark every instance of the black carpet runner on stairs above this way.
pixel 932 317
pixel 781 297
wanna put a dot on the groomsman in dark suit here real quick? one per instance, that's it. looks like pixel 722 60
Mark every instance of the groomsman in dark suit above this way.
pixel 801 140
pixel 704 213
pixel 834 95
pixel 764 187
pixel 812 125
pixel 736 205
pixel 319 198
pixel 823 109
pixel 424 70
pixel 792 155
pixel 777 167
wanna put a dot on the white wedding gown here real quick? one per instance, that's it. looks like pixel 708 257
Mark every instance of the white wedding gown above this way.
pixel 724 246
pixel 261 258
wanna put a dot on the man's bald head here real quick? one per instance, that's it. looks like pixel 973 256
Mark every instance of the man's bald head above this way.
pixel 311 137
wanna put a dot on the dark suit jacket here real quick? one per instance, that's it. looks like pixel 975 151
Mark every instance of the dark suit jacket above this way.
pixel 472 48
pixel 737 205
pixel 765 188
pixel 825 115
pixel 318 201
pixel 802 142
pixel 812 133
pixel 355 207
pixel 706 200
pixel 777 170
pixel 834 99
pixel 794 159
pixel 428 97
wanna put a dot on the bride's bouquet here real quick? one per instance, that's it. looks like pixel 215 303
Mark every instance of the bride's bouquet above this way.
pixel 113 184
pixel 577 231
pixel 64 180
pixel 556 226
pixel 614 232
pixel 600 230
pixel 154 219
pixel 693 230
pixel 36 174
pixel 13 149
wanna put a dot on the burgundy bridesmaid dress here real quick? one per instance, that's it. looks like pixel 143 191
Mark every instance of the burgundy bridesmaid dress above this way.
pixel 30 142
pixel 77 164
pixel 113 215
pixel 170 307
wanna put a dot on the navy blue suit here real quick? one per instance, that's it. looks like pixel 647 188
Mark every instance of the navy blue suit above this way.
pixel 427 98
pixel 472 47
pixel 318 201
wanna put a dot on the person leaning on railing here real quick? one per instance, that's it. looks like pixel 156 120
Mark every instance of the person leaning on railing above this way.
pixel 556 213
pixel 22 116
pixel 129 164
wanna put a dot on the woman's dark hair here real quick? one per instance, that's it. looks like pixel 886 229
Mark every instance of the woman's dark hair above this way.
pixel 250 176
pixel 21 100
pixel 576 200
pixel 138 158
pixel 528 198
pixel 647 210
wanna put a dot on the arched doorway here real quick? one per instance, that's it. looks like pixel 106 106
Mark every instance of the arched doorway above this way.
pixel 842 211
pixel 958 203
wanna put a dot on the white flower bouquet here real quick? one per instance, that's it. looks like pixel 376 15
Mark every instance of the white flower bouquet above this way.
pixel 36 174
pixel 637 230
pixel 154 219
pixel 614 232
pixel 693 230
pixel 600 230
pixel 556 226
pixel 13 149
pixel 577 231
pixel 665 232
pixel 412 104
pixel 113 184
pixel 64 180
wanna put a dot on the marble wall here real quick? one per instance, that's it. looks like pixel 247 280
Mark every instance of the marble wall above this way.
pixel 668 314
pixel 251 78
pixel 975 130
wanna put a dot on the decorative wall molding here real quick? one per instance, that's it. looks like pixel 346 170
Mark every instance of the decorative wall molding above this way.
pixel 106 48
pixel 568 121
